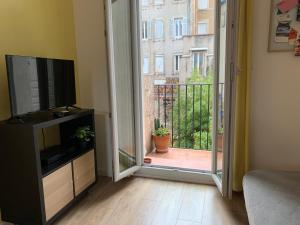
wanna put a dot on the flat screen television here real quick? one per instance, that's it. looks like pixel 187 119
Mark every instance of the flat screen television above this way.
pixel 39 84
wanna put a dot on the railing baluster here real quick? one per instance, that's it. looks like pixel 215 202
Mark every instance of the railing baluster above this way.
pixel 222 102
pixel 172 98
pixel 200 118
pixel 193 117
pixel 179 116
pixel 165 104
pixel 185 121
pixel 158 100
pixel 208 116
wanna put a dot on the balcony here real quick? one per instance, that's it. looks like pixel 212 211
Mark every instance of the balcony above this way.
pixel 186 110
pixel 199 160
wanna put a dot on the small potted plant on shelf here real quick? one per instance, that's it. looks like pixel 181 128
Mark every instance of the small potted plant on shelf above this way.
pixel 84 136
pixel 161 137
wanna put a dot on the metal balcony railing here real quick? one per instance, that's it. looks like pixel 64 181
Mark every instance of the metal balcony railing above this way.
pixel 186 110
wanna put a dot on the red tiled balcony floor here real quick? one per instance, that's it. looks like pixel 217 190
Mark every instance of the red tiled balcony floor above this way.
pixel 185 158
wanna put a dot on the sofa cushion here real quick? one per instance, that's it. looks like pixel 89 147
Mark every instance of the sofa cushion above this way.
pixel 272 198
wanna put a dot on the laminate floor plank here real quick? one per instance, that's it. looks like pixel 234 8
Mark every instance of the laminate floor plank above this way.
pixel 143 201
pixel 169 205
pixel 219 211
pixel 192 205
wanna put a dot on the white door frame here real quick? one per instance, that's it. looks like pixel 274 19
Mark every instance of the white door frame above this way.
pixel 177 174
pixel 117 175
pixel 167 173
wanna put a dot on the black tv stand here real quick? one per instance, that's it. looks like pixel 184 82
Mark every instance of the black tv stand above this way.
pixel 72 106
pixel 15 120
pixel 65 111
pixel 60 113
pixel 35 192
pixel 20 119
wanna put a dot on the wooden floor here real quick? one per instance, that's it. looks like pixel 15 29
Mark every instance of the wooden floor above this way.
pixel 141 201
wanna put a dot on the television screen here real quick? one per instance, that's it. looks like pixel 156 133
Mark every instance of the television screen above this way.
pixel 38 84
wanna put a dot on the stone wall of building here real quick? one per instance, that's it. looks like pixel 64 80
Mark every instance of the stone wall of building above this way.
pixel 149 112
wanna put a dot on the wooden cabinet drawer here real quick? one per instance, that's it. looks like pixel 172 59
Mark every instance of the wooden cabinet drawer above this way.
pixel 58 190
pixel 84 172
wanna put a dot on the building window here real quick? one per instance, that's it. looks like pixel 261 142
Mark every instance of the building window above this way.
pixel 199 62
pixel 202 4
pixel 202 28
pixel 159 64
pixel 146 65
pixel 159 29
pixel 177 60
pixel 145 2
pixel 145 30
pixel 158 2
pixel 178 27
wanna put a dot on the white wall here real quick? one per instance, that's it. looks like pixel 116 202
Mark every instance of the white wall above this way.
pixel 275 113
pixel 89 20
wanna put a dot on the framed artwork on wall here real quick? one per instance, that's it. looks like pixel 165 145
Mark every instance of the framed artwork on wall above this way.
pixel 284 25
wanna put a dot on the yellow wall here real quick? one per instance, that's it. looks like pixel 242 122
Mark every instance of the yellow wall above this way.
pixel 42 28
pixel 89 17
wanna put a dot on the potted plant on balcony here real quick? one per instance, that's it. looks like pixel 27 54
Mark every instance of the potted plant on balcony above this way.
pixel 161 137
pixel 84 136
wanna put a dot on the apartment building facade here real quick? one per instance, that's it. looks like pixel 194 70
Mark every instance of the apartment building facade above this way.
pixel 177 38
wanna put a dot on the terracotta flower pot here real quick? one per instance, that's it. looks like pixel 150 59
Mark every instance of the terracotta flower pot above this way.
pixel 161 143
pixel 220 142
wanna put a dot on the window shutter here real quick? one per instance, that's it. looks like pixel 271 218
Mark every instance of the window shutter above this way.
pixel 174 63
pixel 153 31
pixel 149 28
pixel 172 28
pixel 162 29
pixel 185 26
pixel 158 29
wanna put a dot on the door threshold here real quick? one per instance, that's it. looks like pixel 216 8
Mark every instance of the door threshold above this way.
pixel 177 168
pixel 175 174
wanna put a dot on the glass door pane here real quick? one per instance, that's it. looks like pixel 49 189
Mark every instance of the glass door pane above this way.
pixel 124 83
pixel 122 87
pixel 224 95
pixel 220 94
